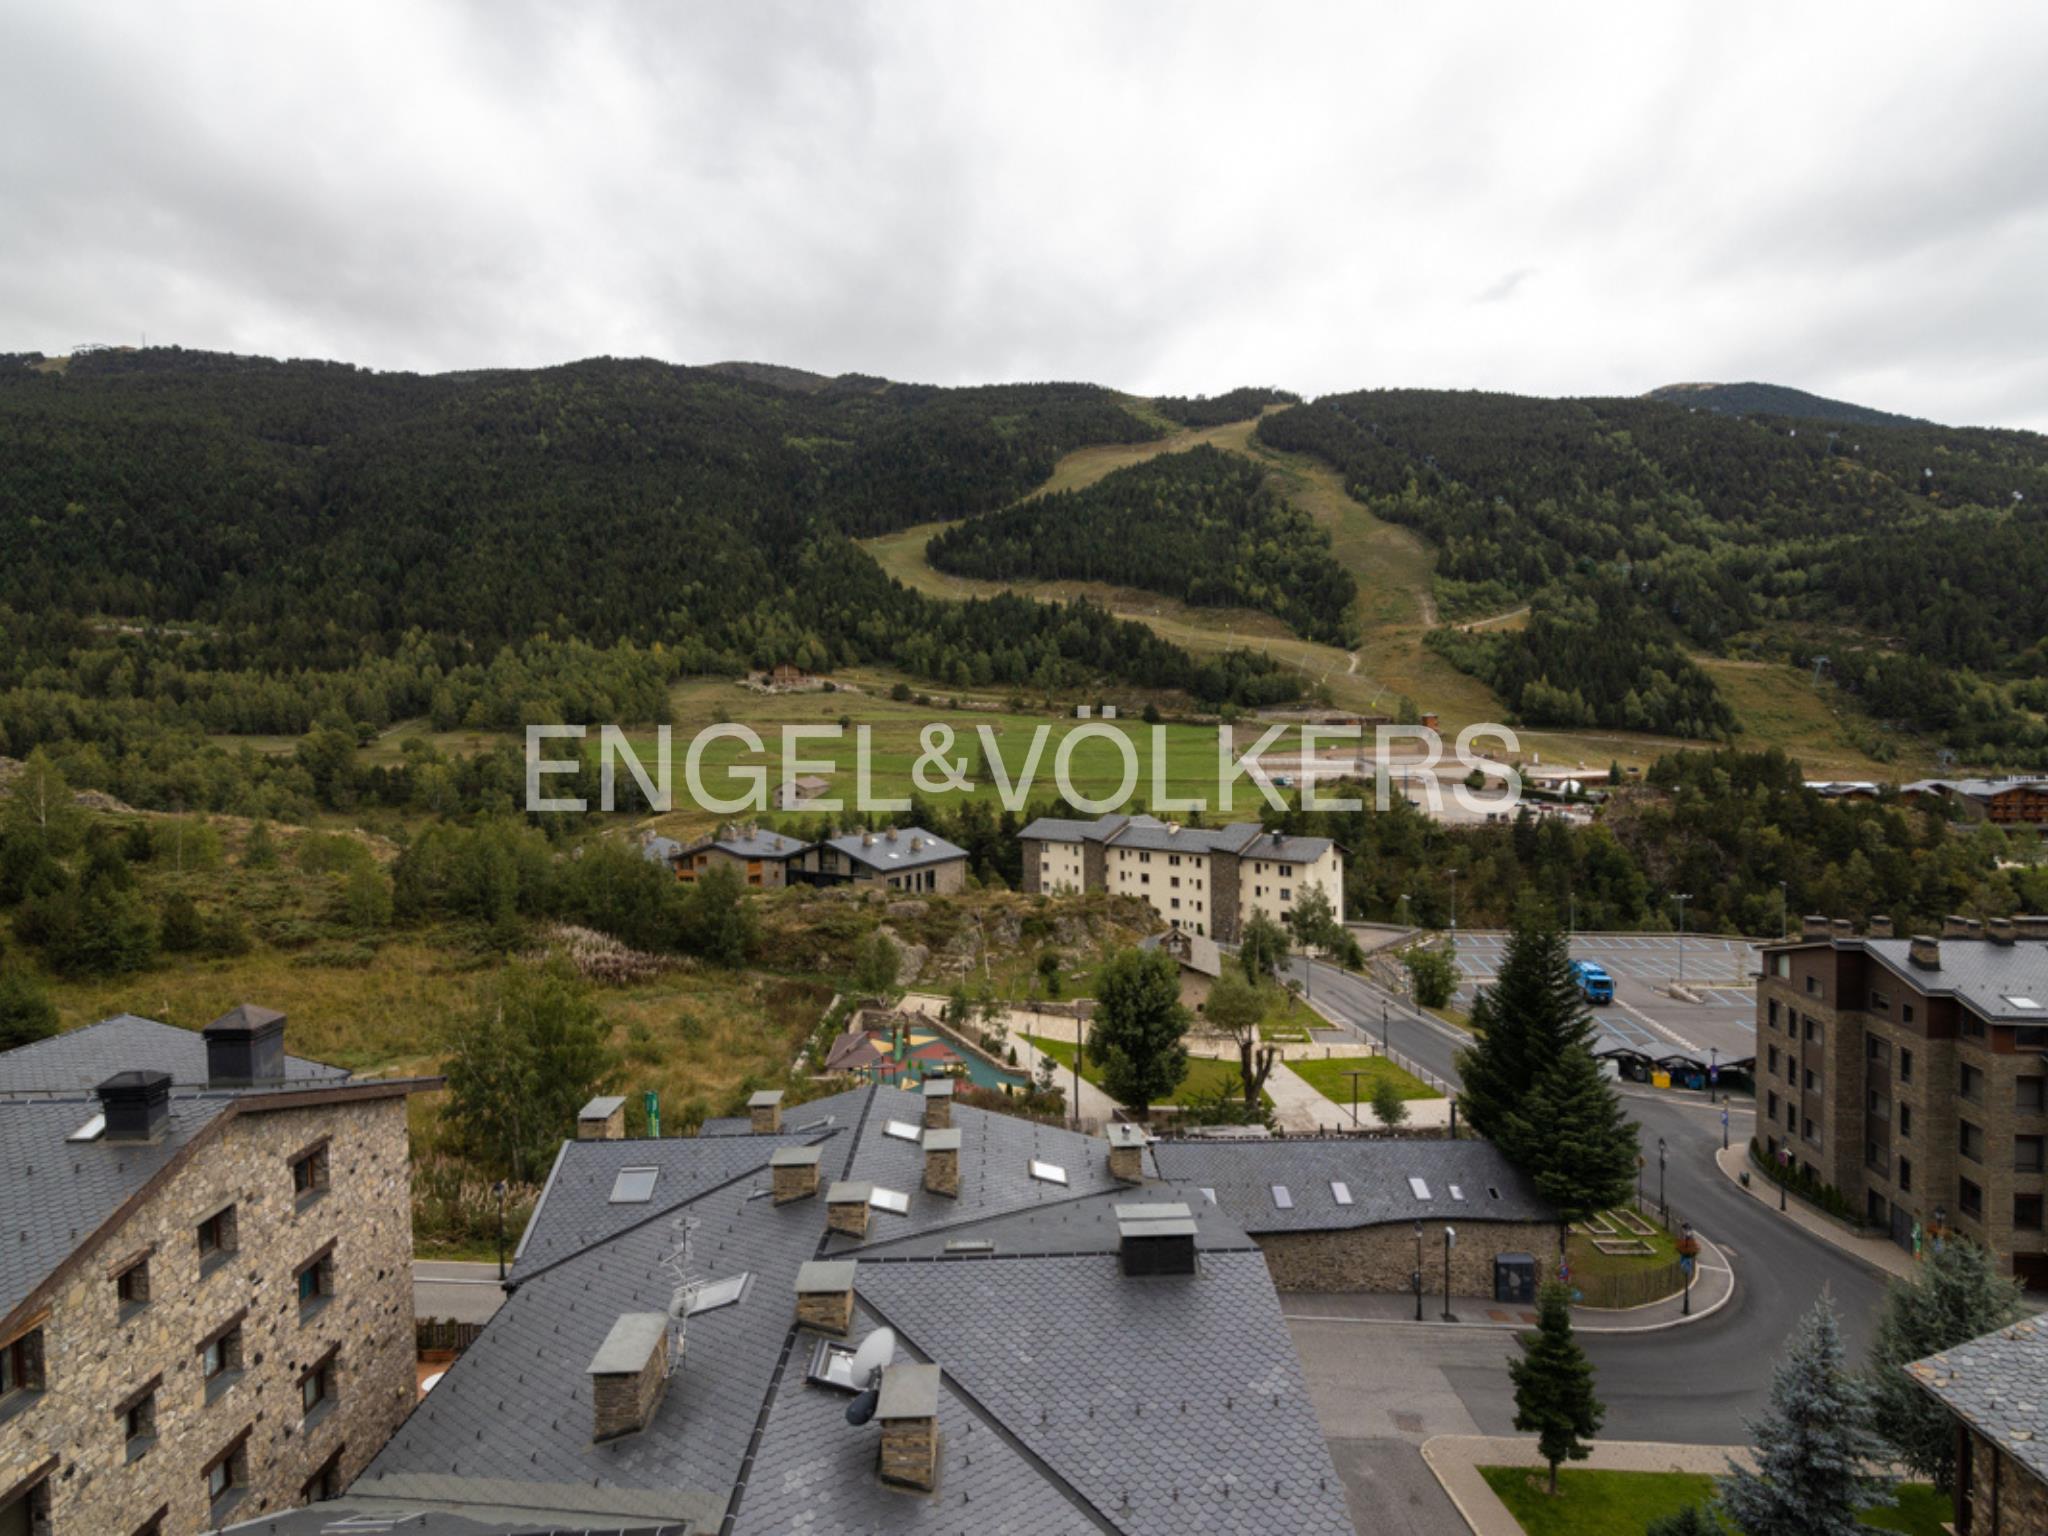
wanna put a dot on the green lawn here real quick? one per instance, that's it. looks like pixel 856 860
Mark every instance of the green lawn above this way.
pixel 1205 1075
pixel 1326 1074
pixel 1623 1503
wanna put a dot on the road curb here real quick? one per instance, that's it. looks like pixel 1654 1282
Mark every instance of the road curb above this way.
pixel 1822 1227
pixel 1454 1461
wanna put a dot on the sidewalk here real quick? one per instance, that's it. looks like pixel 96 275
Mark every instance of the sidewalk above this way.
pixel 1713 1288
pixel 1877 1252
pixel 1456 1460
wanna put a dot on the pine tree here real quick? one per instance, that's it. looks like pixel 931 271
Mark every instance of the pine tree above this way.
pixel 1813 1441
pixel 1955 1296
pixel 1137 1029
pixel 26 1014
pixel 1573 1138
pixel 1554 1385
pixel 1527 1019
pixel 1693 1520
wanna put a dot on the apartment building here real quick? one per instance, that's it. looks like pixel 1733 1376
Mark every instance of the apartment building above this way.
pixel 1208 880
pixel 1912 1075
pixel 206 1286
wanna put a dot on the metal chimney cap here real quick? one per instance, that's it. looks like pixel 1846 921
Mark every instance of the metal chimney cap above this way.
pixel 630 1345
pixel 795 1157
pixel 248 1019
pixel 1124 1134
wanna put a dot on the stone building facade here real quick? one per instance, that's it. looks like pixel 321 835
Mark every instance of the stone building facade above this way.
pixel 1991 1386
pixel 1382 1258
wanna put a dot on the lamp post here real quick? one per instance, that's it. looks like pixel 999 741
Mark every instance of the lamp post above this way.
pixel 1713 1071
pixel 1450 1242
pixel 1454 906
pixel 1355 1073
pixel 1416 1279
pixel 1407 918
pixel 1784 1172
pixel 1681 897
pixel 1386 1035
pixel 1662 1205
pixel 499 1190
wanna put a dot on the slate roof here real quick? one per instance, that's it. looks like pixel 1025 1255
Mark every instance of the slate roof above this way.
pixel 1998 1385
pixel 757 844
pixel 1246 839
pixel 1072 1398
pixel 885 854
pixel 81 1059
pixel 1983 975
pixel 1375 1173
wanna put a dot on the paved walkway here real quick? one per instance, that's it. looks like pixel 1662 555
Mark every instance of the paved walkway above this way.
pixel 1879 1253
pixel 1456 1460
pixel 1713 1288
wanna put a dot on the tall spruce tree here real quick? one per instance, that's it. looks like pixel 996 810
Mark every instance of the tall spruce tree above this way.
pixel 1573 1138
pixel 1814 1446
pixel 1554 1385
pixel 1955 1296
pixel 1525 1021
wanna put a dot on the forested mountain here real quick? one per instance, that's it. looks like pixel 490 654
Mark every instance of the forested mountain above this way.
pixel 1778 400
pixel 1215 410
pixel 1204 526
pixel 1639 527
pixel 233 543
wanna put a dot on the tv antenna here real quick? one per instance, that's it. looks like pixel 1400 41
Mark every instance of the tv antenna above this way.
pixel 676 1263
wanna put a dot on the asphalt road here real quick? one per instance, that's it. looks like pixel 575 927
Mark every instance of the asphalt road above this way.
pixel 463 1293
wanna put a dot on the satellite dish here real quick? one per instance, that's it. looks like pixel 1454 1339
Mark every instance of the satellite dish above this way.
pixel 679 1300
pixel 862 1408
pixel 875 1352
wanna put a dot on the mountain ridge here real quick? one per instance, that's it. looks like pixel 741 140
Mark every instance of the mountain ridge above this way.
pixel 1754 398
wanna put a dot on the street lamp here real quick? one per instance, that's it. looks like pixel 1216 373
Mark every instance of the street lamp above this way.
pixel 1450 1242
pixel 1405 915
pixel 1386 1037
pixel 1681 897
pixel 1355 1073
pixel 1661 1204
pixel 500 1191
pixel 1454 905
pixel 1416 1278
pixel 1784 1172
pixel 1713 1070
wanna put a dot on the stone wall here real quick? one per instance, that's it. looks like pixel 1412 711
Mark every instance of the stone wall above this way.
pixel 1382 1258
pixel 1225 898
pixel 2006 1499
pixel 1034 862
pixel 96 1358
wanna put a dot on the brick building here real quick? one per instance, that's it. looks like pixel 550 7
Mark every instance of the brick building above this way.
pixel 1993 1387
pixel 1208 880
pixel 206 1287
pixel 1910 1073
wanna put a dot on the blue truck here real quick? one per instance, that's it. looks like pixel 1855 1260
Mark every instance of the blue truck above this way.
pixel 1595 985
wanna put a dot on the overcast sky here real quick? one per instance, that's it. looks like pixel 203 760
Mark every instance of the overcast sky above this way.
pixel 1166 198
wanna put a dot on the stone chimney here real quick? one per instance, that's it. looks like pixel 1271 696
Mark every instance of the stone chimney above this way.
pixel 627 1374
pixel 1813 926
pixel 794 1172
pixel 137 1105
pixel 1843 928
pixel 2032 927
pixel 938 1104
pixel 1880 927
pixel 245 1048
pixel 1954 927
pixel 846 1208
pixel 2001 930
pixel 764 1110
pixel 1924 952
pixel 942 1161
pixel 602 1119
pixel 824 1295
pixel 909 1415
pixel 1127 1152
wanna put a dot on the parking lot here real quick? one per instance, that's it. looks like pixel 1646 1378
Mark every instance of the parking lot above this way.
pixel 1644 1016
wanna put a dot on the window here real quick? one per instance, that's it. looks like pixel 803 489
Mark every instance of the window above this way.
pixel 317 1386
pixel 309 1174
pixel 900 1131
pixel 1340 1191
pixel 713 1294
pixel 1877 1052
pixel 29 1510
pixel 1972 1027
pixel 1905 1175
pixel 2027 1154
pixel 1781 965
pixel 1878 1106
pixel 1283 1198
pixel 228 1473
pixel 1873 1159
pixel 897 1201
pixel 131 1287
pixel 1048 1173
pixel 1771 1110
pixel 1972 1084
pixel 1970 1197
pixel 1812 1081
pixel 315 1281
pixel 1970 1141
pixel 325 1483
pixel 1774 1061
pixel 634 1186
pixel 1813 986
pixel 2028 1095
pixel 1879 1002
pixel 1813 1032
pixel 1774 1013
pixel 21 1365
pixel 220 1359
pixel 1905 1013
pixel 216 1239
pixel 137 1418
pixel 154 1525
pixel 1812 1131
pixel 2026 1212
pixel 1905 1120
pixel 1286 894
pixel 1905 1061
pixel 1419 1188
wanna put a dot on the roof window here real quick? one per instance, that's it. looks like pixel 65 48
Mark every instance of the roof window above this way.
pixel 634 1186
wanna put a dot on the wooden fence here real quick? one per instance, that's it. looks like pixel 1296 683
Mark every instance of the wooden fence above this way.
pixel 442 1333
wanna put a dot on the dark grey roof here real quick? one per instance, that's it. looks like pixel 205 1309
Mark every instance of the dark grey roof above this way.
pixel 1245 838
pixel 1027 1346
pixel 755 845
pixel 1376 1174
pixel 1064 829
pixel 81 1059
pixel 893 852
pixel 430 1505
pixel 1998 1385
pixel 1986 976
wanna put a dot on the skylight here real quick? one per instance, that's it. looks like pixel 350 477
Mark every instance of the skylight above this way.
pixel 2025 1004
pixel 1050 1173
pixel 970 1245
pixel 713 1294
pixel 1340 1191
pixel 634 1186
pixel 1419 1188
pixel 1283 1197
pixel 1208 1194
pixel 92 1130
pixel 900 1130
pixel 1457 1193
pixel 889 1200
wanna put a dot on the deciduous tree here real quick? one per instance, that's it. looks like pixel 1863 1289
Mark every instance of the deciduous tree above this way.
pixel 1138 1028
